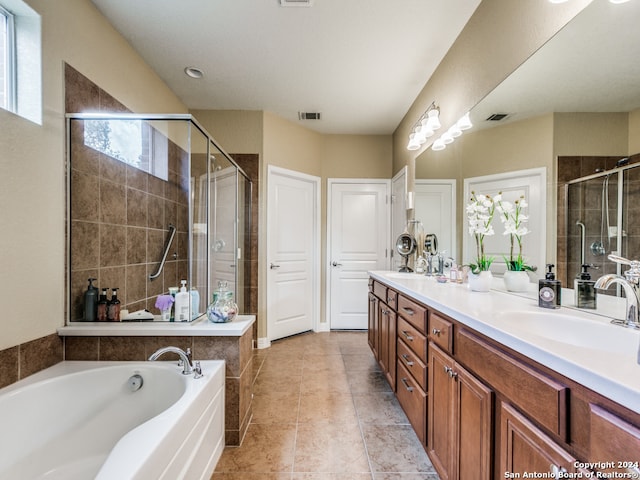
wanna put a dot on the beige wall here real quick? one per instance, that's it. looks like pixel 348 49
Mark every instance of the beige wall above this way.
pixel 634 132
pixel 32 187
pixel 236 131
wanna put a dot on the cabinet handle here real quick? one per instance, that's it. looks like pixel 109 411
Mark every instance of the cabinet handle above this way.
pixel 406 334
pixel 389 300
pixel 408 311
pixel 436 331
pixel 406 385
pixel 449 371
pixel 406 360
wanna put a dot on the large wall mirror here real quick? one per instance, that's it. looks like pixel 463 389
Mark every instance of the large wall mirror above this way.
pixel 573 108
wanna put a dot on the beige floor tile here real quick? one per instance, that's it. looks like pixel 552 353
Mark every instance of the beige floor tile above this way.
pixel 327 407
pixel 251 476
pixel 331 476
pixel 379 409
pixel 266 448
pixel 331 448
pixel 277 383
pixel 324 381
pixel 405 476
pixel 367 381
pixel 358 362
pixel 275 407
pixel 395 448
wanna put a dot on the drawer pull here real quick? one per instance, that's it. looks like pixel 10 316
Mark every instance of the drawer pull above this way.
pixel 389 299
pixel 406 334
pixel 405 357
pixel 436 331
pixel 406 385
pixel 408 311
pixel 449 371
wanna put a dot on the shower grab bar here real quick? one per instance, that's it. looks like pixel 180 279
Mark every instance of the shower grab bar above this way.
pixel 583 242
pixel 172 233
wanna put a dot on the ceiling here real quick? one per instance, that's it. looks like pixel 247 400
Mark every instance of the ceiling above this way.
pixel 360 63
pixel 591 65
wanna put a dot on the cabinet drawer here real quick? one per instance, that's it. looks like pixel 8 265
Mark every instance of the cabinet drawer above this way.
pixel 413 312
pixel 392 299
pixel 441 332
pixel 614 440
pixel 380 290
pixel 413 364
pixel 413 401
pixel 543 398
pixel 412 338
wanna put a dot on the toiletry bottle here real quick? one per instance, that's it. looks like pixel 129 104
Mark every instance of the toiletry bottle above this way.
pixel 102 306
pixel 549 290
pixel 173 291
pixel 113 308
pixel 90 302
pixel 182 304
pixel 195 302
pixel 584 288
pixel 453 273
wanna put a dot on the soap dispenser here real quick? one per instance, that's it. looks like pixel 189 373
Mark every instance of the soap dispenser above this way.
pixel 182 304
pixel 549 290
pixel 90 302
pixel 113 307
pixel 102 306
pixel 584 288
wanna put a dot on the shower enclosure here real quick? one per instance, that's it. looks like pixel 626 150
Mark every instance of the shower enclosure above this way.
pixel 598 215
pixel 153 200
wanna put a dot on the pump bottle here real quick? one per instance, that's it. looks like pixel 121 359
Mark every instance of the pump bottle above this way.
pixel 102 306
pixel 182 304
pixel 549 290
pixel 584 288
pixel 113 308
pixel 90 302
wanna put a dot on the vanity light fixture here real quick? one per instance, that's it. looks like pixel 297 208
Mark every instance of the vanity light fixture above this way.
pixel 465 122
pixel 455 131
pixel 425 127
pixel 193 72
pixel 438 145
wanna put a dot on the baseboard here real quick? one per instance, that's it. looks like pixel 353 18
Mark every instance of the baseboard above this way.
pixel 263 342
pixel 323 327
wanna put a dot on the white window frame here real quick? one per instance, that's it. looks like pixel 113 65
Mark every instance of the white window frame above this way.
pixel 10 61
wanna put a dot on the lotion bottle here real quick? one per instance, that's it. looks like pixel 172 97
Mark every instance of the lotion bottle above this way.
pixel 549 290
pixel 113 308
pixel 182 304
pixel 90 302
pixel 102 306
pixel 585 290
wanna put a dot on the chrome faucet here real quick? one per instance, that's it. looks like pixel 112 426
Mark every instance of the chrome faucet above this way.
pixel 630 284
pixel 185 360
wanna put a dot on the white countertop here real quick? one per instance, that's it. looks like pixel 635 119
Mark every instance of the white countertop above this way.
pixel 198 328
pixel 605 361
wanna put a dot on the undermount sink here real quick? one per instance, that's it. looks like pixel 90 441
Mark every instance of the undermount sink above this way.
pixel 573 331
pixel 407 275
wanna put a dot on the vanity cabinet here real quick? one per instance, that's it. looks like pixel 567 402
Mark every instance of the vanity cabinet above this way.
pixel 382 328
pixel 373 332
pixel 460 417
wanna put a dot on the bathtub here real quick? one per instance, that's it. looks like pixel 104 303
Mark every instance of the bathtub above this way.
pixel 85 420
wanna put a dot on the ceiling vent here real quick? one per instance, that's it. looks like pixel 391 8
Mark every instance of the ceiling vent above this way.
pixel 296 3
pixel 309 115
pixel 496 117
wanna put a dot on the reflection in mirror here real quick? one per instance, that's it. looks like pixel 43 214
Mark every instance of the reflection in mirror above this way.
pixel 578 96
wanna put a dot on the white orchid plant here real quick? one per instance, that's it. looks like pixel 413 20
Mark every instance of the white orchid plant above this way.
pixel 480 212
pixel 514 219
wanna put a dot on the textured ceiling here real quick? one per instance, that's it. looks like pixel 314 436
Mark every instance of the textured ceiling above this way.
pixel 361 63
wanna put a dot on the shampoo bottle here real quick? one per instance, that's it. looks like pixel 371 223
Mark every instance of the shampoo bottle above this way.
pixel 90 302
pixel 102 306
pixel 113 308
pixel 549 290
pixel 182 304
pixel 584 288
pixel 195 303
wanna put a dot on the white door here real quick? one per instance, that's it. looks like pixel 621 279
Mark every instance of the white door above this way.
pixel 435 207
pixel 223 228
pixel 293 254
pixel 358 241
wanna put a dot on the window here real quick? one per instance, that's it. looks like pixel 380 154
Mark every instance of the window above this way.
pixel 7 60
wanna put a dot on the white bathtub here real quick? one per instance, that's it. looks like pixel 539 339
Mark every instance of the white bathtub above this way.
pixel 81 420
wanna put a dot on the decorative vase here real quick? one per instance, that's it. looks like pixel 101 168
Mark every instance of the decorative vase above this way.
pixel 480 282
pixel 516 281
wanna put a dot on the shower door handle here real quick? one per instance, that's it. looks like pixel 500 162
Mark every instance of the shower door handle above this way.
pixel 336 264
pixel 273 266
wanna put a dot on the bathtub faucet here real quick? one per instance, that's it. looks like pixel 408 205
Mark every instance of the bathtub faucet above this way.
pixel 185 359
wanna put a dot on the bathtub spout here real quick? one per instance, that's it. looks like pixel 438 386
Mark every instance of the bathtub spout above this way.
pixel 184 358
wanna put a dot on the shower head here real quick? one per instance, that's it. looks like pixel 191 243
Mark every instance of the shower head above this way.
pixel 622 162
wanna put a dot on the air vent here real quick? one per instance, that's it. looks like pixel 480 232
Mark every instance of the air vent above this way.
pixel 296 3
pixel 309 115
pixel 496 117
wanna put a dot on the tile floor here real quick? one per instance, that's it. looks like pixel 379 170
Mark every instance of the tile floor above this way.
pixel 322 410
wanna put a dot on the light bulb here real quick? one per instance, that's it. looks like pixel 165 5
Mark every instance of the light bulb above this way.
pixel 433 121
pixel 438 145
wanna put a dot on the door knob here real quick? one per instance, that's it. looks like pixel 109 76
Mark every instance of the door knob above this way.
pixel 336 264
pixel 274 266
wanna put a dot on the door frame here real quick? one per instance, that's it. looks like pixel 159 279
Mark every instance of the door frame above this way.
pixel 397 225
pixel 327 266
pixel 315 266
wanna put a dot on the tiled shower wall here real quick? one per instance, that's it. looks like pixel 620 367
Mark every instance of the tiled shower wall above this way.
pixel 586 207
pixel 120 215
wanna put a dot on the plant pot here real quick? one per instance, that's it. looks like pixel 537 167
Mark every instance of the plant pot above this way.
pixel 480 282
pixel 516 281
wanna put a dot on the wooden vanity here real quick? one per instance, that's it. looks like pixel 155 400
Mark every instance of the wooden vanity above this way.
pixel 480 407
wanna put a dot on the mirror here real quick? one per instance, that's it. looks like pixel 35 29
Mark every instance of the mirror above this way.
pixel 579 95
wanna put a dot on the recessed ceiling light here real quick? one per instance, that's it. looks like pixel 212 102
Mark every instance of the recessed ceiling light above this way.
pixel 194 72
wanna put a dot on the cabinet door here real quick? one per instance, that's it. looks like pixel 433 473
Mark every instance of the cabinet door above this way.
pixel 474 423
pixel 440 423
pixel 615 444
pixel 373 331
pixel 387 345
pixel 525 448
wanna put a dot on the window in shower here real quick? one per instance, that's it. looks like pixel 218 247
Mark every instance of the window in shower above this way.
pixel 7 60
pixel 130 141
